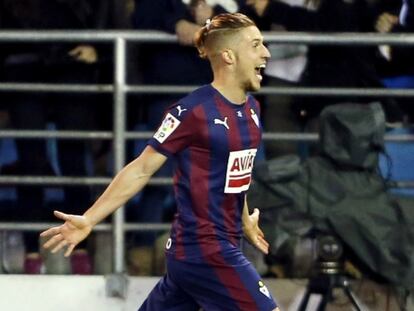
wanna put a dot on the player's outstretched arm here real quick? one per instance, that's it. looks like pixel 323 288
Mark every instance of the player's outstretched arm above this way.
pixel 130 180
pixel 252 231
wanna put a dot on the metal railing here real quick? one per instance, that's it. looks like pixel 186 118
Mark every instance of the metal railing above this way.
pixel 120 89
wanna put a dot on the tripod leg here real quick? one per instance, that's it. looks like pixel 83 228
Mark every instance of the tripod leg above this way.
pixel 326 297
pixel 350 295
pixel 304 303
pixel 316 290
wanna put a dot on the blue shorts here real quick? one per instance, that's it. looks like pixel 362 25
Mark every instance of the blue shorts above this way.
pixel 217 283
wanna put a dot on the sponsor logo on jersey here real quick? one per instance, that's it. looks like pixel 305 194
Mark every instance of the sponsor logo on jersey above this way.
pixel 255 117
pixel 263 289
pixel 168 126
pixel 239 170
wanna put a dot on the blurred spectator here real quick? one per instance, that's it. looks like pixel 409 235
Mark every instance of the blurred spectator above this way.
pixel 52 63
pixel 329 66
pixel 396 67
pixel 406 15
pixel 397 71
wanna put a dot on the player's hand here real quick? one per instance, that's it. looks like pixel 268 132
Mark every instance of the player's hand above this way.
pixel 258 5
pixel 201 11
pixel 253 233
pixel 386 22
pixel 185 32
pixel 85 54
pixel 74 230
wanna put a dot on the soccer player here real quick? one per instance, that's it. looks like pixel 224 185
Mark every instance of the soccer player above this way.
pixel 213 135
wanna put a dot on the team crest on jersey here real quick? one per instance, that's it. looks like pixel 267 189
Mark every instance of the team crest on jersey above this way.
pixel 263 289
pixel 239 170
pixel 254 117
pixel 168 126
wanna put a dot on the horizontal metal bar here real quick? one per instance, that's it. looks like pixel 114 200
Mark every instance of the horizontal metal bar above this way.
pixel 314 137
pixel 22 226
pixel 290 136
pixel 146 226
pixel 85 35
pixel 338 38
pixel 19 134
pixel 400 184
pixel 55 134
pixel 52 180
pixel 70 181
pixel 336 91
pixel 160 89
pixel 29 226
pixel 296 91
pixel 399 138
pixel 54 87
pixel 11 180
pixel 283 136
pixel 175 89
pixel 139 135
pixel 162 37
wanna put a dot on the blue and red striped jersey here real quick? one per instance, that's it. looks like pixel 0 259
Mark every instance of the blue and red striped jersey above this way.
pixel 213 143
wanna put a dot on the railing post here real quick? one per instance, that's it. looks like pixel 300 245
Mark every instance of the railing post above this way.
pixel 119 118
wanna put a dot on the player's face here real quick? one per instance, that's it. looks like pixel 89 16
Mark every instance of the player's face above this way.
pixel 251 56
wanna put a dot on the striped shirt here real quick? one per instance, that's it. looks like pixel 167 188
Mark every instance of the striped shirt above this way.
pixel 213 143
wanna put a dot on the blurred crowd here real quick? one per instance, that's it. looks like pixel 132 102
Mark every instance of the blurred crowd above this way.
pixel 171 64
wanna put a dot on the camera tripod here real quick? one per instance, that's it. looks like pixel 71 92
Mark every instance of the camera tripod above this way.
pixel 329 274
pixel 329 277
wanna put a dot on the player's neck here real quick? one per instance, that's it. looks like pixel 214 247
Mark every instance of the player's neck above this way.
pixel 231 92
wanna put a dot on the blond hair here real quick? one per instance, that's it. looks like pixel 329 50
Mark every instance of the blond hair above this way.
pixel 219 27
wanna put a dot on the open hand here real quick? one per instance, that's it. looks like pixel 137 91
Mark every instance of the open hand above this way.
pixel 74 230
pixel 253 233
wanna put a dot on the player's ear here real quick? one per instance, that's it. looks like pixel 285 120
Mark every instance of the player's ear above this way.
pixel 228 56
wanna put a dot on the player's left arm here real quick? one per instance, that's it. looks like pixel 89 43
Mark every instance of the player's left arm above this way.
pixel 251 229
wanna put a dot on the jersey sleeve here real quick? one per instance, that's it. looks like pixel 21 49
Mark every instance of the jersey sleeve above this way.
pixel 175 132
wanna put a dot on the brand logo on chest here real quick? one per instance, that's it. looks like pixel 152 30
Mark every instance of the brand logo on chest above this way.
pixel 222 122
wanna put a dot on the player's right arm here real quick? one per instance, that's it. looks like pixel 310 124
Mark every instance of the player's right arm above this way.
pixel 130 180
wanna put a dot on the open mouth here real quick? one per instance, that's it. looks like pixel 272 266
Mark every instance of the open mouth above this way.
pixel 259 71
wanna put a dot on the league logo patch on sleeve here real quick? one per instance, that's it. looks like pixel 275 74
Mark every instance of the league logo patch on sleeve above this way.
pixel 168 126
